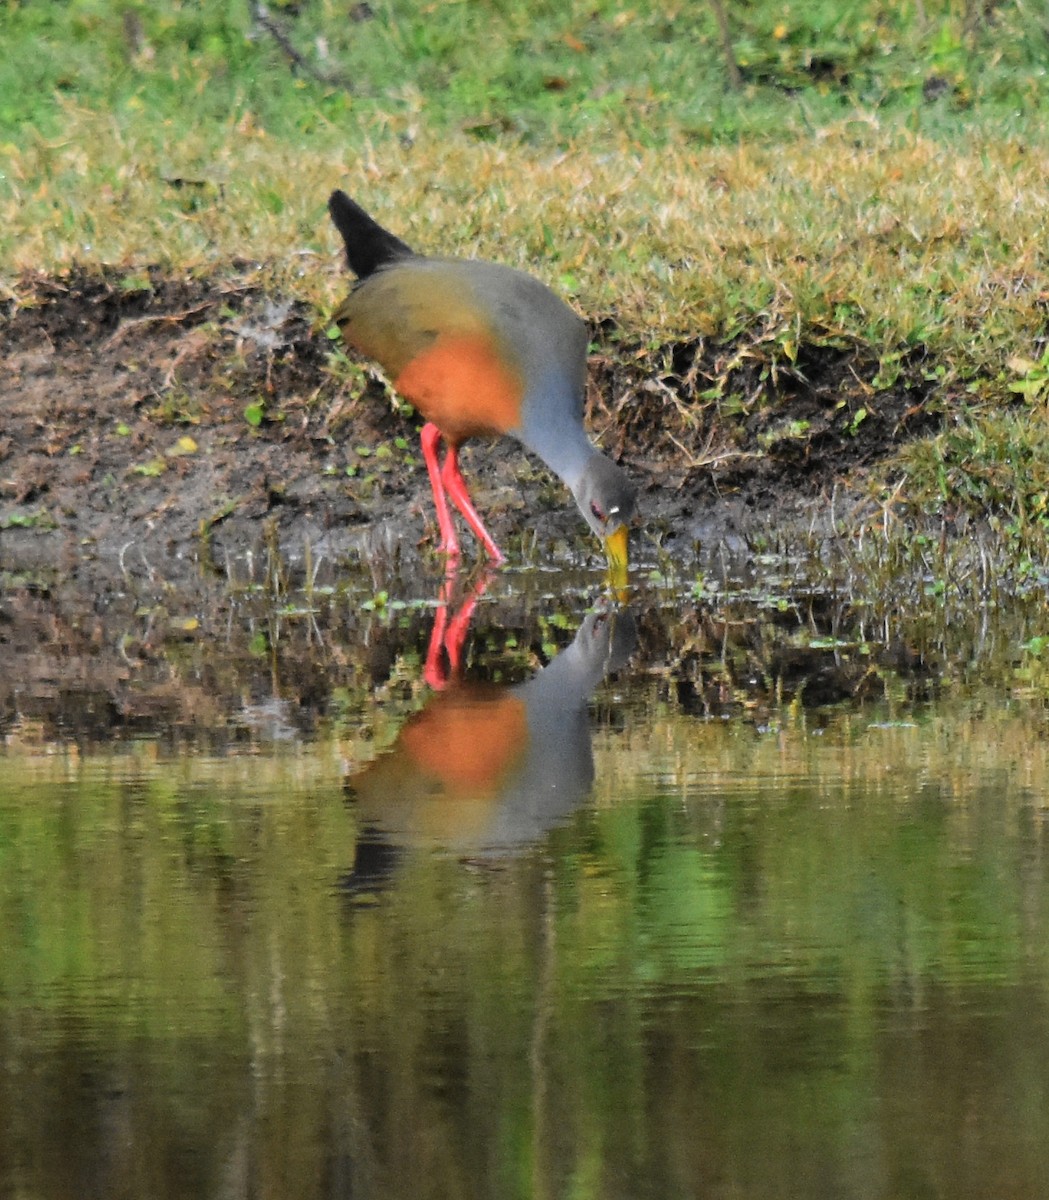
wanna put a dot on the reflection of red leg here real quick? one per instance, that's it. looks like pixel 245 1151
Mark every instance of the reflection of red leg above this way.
pixel 431 440
pixel 434 671
pixel 460 623
pixel 455 485
pixel 448 637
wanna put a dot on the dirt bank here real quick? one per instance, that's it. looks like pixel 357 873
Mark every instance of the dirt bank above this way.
pixel 154 422
pixel 178 455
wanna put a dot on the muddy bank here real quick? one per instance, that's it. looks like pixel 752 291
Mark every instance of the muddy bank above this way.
pixel 183 460
pixel 155 423
pixel 204 508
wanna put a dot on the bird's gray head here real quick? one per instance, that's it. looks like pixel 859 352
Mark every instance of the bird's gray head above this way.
pixel 605 496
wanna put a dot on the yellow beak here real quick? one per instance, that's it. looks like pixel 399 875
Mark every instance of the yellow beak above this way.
pixel 617 549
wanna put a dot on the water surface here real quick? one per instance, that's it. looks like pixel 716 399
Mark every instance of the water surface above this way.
pixel 719 905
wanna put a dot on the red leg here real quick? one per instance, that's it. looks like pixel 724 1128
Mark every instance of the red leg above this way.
pixel 431 440
pixel 455 486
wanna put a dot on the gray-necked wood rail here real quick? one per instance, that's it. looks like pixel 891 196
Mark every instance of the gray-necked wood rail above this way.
pixel 481 350
pixel 486 768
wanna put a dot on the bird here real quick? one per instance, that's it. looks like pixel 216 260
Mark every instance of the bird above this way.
pixel 486 768
pixel 480 349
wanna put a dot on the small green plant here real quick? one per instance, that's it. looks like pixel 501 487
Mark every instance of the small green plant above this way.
pixel 25 520
pixel 855 421
pixel 177 407
pixel 151 469
pixel 381 602
pixel 793 430
pixel 1035 380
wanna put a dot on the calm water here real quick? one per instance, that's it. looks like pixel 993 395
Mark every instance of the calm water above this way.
pixel 682 914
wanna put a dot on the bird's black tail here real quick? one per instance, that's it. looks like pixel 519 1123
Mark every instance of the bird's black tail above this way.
pixel 368 245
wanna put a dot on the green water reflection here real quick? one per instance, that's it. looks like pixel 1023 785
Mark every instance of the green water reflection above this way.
pixel 805 957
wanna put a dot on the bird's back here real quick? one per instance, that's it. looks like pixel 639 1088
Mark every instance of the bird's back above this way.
pixel 468 342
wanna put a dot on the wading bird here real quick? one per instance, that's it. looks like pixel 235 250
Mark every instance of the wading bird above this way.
pixel 481 350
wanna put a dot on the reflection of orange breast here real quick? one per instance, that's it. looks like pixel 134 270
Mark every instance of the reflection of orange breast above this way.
pixel 463 385
pixel 451 763
pixel 468 746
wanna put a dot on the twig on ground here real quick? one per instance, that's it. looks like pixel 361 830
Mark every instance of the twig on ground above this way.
pixel 261 16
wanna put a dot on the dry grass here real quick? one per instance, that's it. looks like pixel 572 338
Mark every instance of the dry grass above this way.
pixel 856 233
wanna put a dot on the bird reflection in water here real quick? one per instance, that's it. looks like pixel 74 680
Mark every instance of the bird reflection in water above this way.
pixel 485 768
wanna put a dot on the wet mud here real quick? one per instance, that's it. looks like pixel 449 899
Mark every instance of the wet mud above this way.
pixel 153 422
pixel 177 450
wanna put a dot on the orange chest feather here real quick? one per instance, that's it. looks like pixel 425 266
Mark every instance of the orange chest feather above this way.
pixel 463 385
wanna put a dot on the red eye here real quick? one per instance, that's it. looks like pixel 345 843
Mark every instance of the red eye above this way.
pixel 599 515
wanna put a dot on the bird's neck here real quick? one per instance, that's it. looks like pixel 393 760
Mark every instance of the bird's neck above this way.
pixel 561 442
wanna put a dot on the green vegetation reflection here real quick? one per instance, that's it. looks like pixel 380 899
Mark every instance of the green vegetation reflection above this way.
pixel 736 914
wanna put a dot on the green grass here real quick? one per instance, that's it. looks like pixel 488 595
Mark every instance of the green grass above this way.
pixel 543 72
pixel 878 182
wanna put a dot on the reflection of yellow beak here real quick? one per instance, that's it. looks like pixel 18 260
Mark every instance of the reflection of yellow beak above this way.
pixel 617 548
